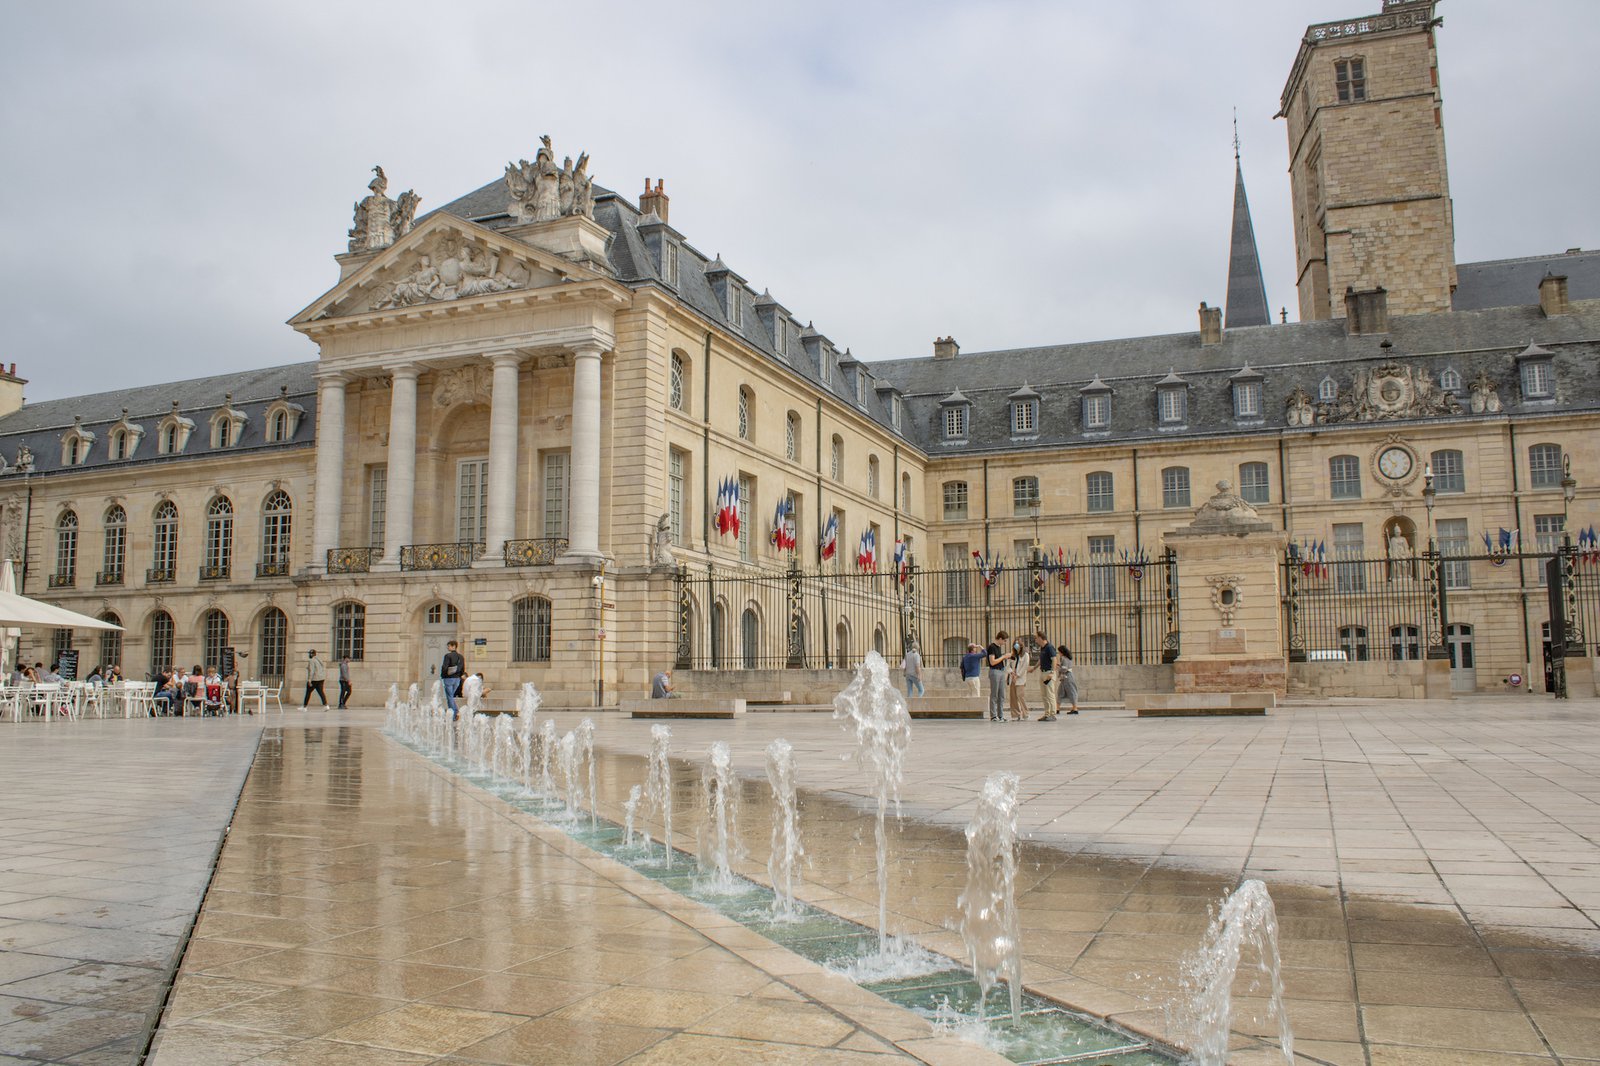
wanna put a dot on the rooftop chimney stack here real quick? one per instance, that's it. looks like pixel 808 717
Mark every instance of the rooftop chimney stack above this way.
pixel 1210 324
pixel 1366 311
pixel 1553 295
pixel 11 399
pixel 945 348
pixel 655 199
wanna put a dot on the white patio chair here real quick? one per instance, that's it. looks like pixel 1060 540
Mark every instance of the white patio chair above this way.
pixel 273 693
pixel 46 698
pixel 252 697
pixel 11 701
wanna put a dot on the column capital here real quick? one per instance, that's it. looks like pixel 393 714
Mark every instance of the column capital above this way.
pixel 505 357
pixel 326 378
pixel 588 349
pixel 404 371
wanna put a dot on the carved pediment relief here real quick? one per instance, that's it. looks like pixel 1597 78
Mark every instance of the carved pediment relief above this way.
pixel 1377 394
pixel 443 265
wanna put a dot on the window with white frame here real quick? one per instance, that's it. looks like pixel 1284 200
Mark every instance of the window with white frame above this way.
pixel 780 336
pixel 675 382
pixel 277 518
pixel 119 444
pixel 215 629
pixel 1405 643
pixel 377 504
pixel 1175 486
pixel 1254 484
pixel 1353 642
pixel 273 643
pixel 836 464
pixel 555 494
pixel 955 422
pixel 791 437
pixel 747 497
pixel 349 631
pixel 735 306
pixel 1247 399
pixel 1449 471
pixel 164 554
pixel 1327 391
pixel 1103 649
pixel 111 640
pixel 115 556
pixel 1545 466
pixel 677 498
pixel 958 576
pixel 1025 499
pixel 1102 569
pixel 1025 417
pixel 1450 380
pixel 872 476
pixel 66 549
pixel 1538 379
pixel 955 500
pixel 1349 572
pixel 1099 492
pixel 669 262
pixel 1452 534
pixel 472 500
pixel 219 538
pixel 161 634
pixel 1097 410
pixel 744 414
pixel 905 492
pixel 1344 477
pixel 1172 405
pixel 1547 529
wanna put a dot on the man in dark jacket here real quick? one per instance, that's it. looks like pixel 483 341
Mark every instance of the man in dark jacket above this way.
pixel 451 672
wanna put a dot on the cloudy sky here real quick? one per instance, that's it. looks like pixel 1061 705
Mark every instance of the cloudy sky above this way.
pixel 179 176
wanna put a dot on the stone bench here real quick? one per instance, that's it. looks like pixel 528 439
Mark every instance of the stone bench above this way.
pixel 1200 704
pixel 948 706
pixel 691 707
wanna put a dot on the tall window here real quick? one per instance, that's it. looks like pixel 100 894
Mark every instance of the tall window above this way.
pixel 224 432
pixel 836 466
pixel 1544 466
pixel 1449 472
pixel 955 500
pixel 216 638
pixel 1452 533
pixel 119 444
pixel 1349 574
pixel 676 499
pixel 277 516
pixel 872 476
pixel 1350 80
pixel 669 263
pixel 116 545
pixel 1175 486
pixel 530 630
pixel 278 428
pixel 161 630
pixel 675 383
pixel 1099 494
pixel 1405 643
pixel 472 500
pixel 1102 569
pixel 905 492
pixel 1097 410
pixel 747 492
pixel 1172 405
pixel 791 437
pixel 60 641
pixel 744 414
pixel 1103 649
pixel 955 422
pixel 1353 642
pixel 1247 399
pixel 958 576
pixel 66 548
pixel 111 641
pixel 169 442
pixel 349 631
pixel 1344 477
pixel 377 505
pixel 1547 537
pixel 1253 483
pixel 219 538
pixel 164 556
pixel 555 494
pixel 274 643
pixel 1025 501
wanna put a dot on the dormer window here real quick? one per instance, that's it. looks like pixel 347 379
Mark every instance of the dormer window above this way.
pixel 954 413
pixel 861 388
pixel 669 263
pixel 119 444
pixel 75 444
pixel 122 441
pixel 1328 391
pixel 1024 405
pixel 1450 380
pixel 735 307
pixel 227 425
pixel 172 434
pixel 778 336
pixel 283 417
pixel 1172 400
pixel 1246 386
pixel 894 410
pixel 1096 405
pixel 1538 375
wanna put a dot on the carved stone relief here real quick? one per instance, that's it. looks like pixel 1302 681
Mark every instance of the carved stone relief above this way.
pixel 1485 398
pixel 470 383
pixel 450 268
pixel 1226 595
pixel 541 192
pixel 380 221
pixel 1386 392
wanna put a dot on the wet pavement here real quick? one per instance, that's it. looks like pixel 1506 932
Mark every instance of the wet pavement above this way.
pixel 1435 867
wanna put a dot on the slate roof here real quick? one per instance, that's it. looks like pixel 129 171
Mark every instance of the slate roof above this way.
pixel 1507 282
pixel 1287 356
pixel 41 425
pixel 1247 293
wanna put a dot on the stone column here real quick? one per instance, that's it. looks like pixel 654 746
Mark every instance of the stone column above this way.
pixel 330 468
pixel 402 474
pixel 500 522
pixel 583 530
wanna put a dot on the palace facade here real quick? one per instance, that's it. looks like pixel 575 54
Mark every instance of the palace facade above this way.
pixel 532 405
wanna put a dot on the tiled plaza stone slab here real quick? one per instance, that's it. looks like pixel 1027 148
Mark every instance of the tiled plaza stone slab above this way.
pixel 108 834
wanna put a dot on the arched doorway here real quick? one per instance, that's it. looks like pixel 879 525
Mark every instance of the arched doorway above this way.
pixel 718 622
pixel 750 638
pixel 841 644
pixel 439 623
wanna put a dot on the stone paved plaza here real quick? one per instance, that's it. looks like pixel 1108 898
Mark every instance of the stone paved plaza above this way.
pixel 1436 870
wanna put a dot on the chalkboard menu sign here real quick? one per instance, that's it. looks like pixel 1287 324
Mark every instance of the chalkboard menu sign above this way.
pixel 69 664
pixel 227 661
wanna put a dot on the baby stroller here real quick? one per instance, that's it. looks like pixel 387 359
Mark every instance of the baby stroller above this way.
pixel 213 699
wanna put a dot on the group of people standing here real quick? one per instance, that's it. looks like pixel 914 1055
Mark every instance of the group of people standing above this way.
pixel 1012 663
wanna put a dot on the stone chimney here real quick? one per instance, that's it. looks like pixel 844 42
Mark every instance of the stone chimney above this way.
pixel 10 390
pixel 1366 311
pixel 1210 324
pixel 945 348
pixel 654 199
pixel 1553 295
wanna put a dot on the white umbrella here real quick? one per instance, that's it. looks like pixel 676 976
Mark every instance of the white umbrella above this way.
pixel 8 637
pixel 16 611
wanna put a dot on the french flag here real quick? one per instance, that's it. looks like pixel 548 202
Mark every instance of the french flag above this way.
pixel 867 555
pixel 901 562
pixel 830 537
pixel 728 508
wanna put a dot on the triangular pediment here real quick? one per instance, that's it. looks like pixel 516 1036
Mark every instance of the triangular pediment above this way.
pixel 445 259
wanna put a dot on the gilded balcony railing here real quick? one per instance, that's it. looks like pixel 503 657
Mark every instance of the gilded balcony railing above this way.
pixel 452 555
pixel 108 577
pixel 273 567
pixel 539 551
pixel 352 560
pixel 160 575
pixel 216 572
pixel 63 581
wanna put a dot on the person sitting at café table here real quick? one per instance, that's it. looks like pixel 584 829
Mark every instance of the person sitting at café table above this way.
pixel 96 676
pixel 161 699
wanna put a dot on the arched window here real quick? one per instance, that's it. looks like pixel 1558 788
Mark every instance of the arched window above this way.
pixel 1544 466
pixel 1450 380
pixel 1327 391
pixel 273 645
pixel 841 643
pixel 161 631
pixel 164 547
pixel 718 616
pixel 119 444
pixel 837 465
pixel 219 540
pixel 1025 500
pixel 880 640
pixel 349 631
pixel 443 614
pixel 905 492
pixel 111 641
pixel 872 476
pixel 1175 486
pixel 791 437
pixel 746 429
pixel 530 630
pixel 277 515
pixel 115 555
pixel 676 383
pixel 216 628
pixel 169 439
pixel 66 550
pixel 278 427
pixel 750 638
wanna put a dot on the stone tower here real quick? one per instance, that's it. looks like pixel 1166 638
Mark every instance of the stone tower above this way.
pixel 1367 164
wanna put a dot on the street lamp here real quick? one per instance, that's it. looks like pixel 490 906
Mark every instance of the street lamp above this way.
pixel 1428 493
pixel 1569 490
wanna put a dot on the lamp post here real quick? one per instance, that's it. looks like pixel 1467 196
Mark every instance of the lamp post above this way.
pixel 1563 618
pixel 1428 493
pixel 1438 639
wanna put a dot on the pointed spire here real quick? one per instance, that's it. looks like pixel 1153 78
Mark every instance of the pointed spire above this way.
pixel 1247 293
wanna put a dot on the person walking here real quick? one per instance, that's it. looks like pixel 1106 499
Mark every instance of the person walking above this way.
pixel 912 665
pixel 1017 681
pixel 997 656
pixel 316 676
pixel 344 681
pixel 451 672
pixel 1069 680
pixel 972 669
pixel 1048 660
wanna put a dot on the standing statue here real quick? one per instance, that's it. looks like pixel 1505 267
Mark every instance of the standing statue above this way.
pixel 24 459
pixel 541 191
pixel 582 188
pixel 380 221
pixel 405 211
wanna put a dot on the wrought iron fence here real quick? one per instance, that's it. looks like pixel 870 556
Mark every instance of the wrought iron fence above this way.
pixel 539 551
pixel 278 567
pixel 452 555
pixel 352 560
pixel 216 571
pixel 160 575
pixel 1106 612
pixel 108 577
pixel 62 581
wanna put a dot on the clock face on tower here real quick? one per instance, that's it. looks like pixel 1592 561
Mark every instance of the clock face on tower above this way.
pixel 1395 463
